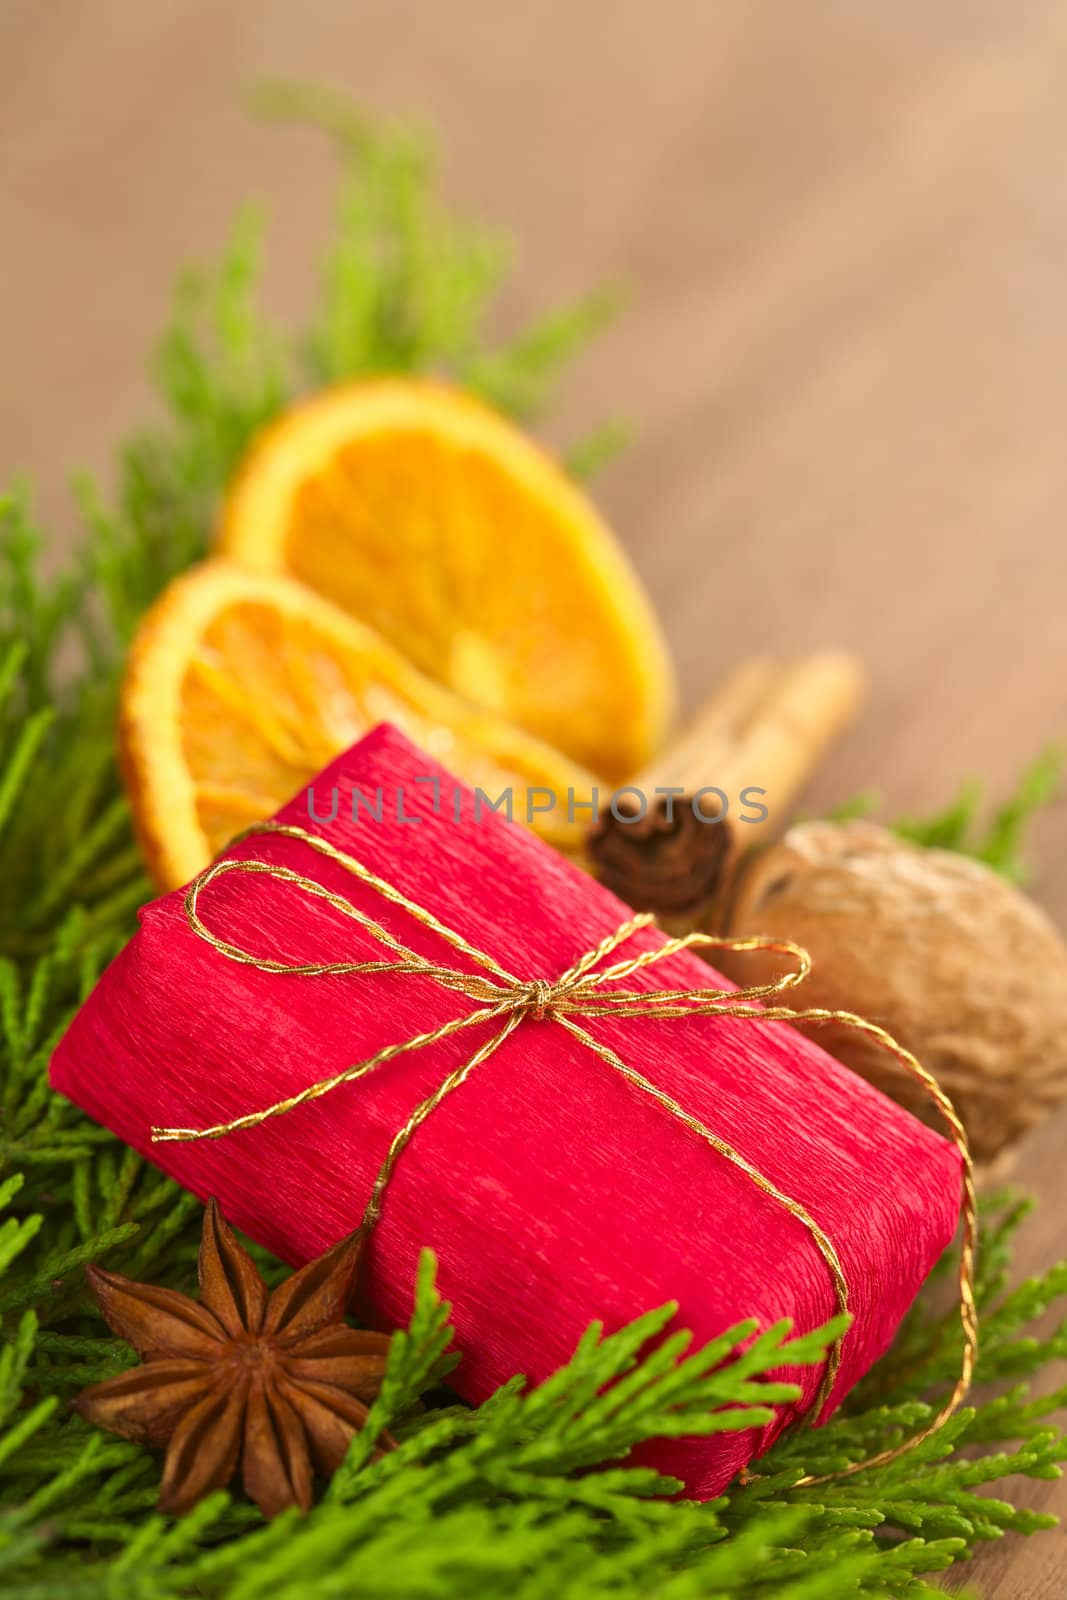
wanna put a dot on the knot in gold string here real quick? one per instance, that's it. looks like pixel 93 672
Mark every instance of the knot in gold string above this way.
pixel 540 997
pixel 587 989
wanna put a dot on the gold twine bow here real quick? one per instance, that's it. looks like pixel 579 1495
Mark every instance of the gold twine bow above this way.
pixel 585 990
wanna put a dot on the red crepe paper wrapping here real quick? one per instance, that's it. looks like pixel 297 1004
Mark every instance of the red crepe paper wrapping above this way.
pixel 551 1190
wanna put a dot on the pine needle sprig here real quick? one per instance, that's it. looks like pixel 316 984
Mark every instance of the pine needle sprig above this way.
pixel 540 1493
pixel 998 838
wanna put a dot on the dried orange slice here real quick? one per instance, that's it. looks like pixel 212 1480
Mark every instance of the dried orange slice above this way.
pixel 417 509
pixel 239 688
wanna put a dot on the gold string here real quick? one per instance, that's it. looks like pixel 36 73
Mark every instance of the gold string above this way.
pixel 582 991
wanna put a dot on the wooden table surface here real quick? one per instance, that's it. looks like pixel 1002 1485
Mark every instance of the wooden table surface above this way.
pixel 844 233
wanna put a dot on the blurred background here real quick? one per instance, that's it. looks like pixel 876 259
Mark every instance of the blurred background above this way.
pixel 842 234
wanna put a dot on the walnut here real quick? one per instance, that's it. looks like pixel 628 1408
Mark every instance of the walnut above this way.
pixel 953 960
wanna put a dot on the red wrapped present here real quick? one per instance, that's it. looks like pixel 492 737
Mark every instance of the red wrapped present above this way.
pixel 602 1154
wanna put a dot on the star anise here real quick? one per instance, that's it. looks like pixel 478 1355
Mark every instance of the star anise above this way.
pixel 278 1381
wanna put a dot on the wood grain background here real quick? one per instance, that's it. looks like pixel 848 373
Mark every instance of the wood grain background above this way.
pixel 843 230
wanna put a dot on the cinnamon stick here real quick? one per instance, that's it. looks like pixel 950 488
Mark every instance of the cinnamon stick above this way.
pixel 667 841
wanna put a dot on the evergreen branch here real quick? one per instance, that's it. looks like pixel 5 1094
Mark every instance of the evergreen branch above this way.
pixel 538 1494
pixel 1000 840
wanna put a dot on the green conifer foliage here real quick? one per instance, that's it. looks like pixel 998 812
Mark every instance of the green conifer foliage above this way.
pixel 498 1501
